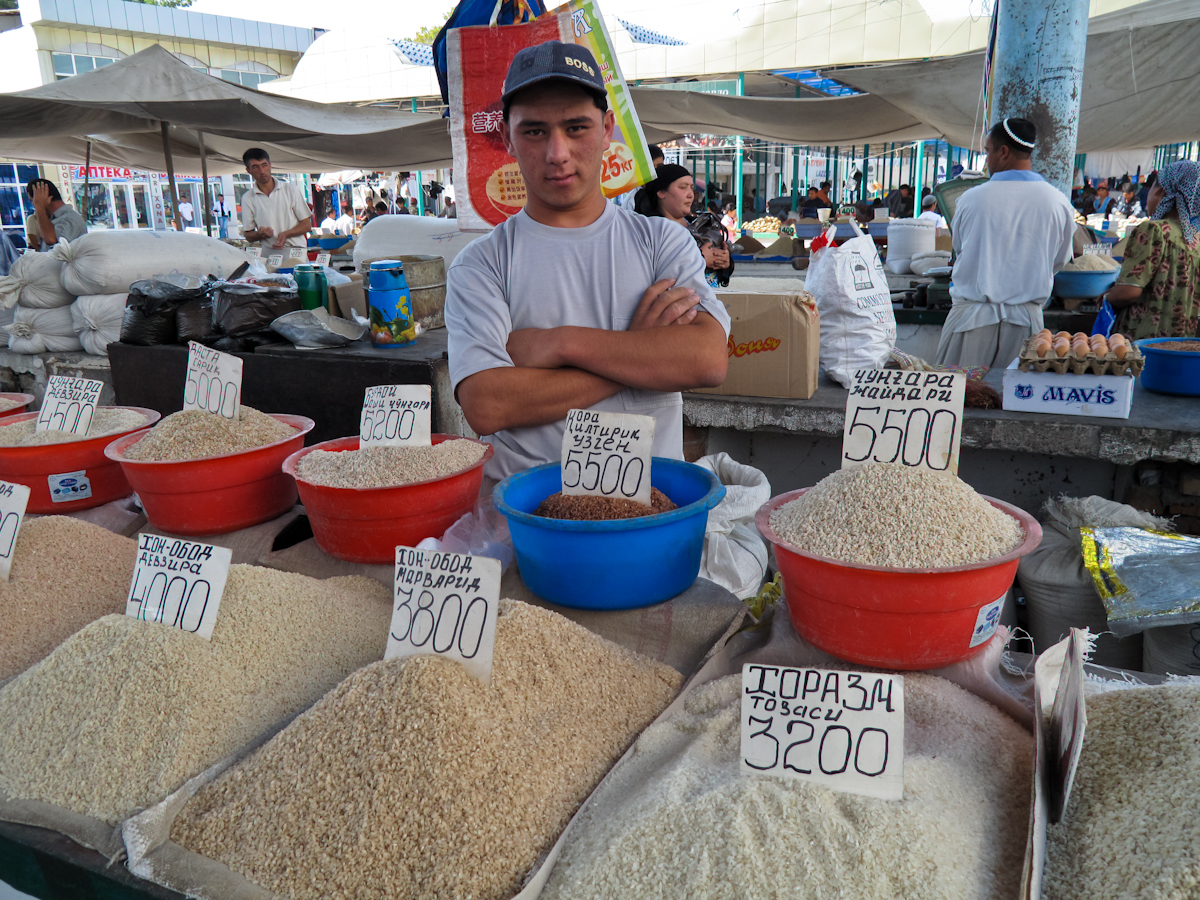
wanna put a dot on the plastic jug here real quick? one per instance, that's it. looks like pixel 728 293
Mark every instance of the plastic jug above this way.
pixel 389 305
pixel 312 286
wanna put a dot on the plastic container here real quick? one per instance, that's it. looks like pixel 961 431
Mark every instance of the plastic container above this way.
pixel 217 494
pixel 55 473
pixel 387 275
pixel 616 564
pixel 1169 371
pixel 1084 284
pixel 366 525
pixel 311 286
pixel 894 618
pixel 23 399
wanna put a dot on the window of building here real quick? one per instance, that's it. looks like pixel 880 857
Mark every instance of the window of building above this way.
pixel 76 59
pixel 15 205
pixel 248 74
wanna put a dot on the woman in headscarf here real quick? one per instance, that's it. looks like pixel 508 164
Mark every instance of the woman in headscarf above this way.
pixel 671 196
pixel 1157 293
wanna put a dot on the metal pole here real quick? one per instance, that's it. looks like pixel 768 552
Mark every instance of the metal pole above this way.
pixel 862 184
pixel 796 178
pixel 919 178
pixel 171 176
pixel 737 149
pixel 208 216
pixel 87 177
pixel 1037 74
pixel 420 193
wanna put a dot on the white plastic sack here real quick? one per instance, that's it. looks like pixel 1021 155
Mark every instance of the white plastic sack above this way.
pixel 108 262
pixel 35 280
pixel 97 319
pixel 923 262
pixel 387 237
pixel 734 555
pixel 42 331
pixel 858 327
pixel 908 238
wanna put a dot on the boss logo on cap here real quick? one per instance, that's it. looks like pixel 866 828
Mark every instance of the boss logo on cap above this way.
pixel 580 64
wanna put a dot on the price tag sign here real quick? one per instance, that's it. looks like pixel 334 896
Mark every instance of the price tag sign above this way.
pixel 607 455
pixel 178 583
pixel 841 730
pixel 322 259
pixel 396 415
pixel 914 418
pixel 446 605
pixel 256 252
pixel 69 404
pixel 13 500
pixel 296 253
pixel 275 259
pixel 214 381
pixel 1068 724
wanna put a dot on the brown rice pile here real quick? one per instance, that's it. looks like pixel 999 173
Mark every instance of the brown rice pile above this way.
pixel 584 507
pixel 195 434
pixel 679 818
pixel 123 712
pixel 414 780
pixel 1132 825
pixel 105 421
pixel 887 514
pixel 65 574
pixel 379 466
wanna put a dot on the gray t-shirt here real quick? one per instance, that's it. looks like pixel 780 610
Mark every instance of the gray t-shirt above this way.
pixel 528 275
pixel 68 225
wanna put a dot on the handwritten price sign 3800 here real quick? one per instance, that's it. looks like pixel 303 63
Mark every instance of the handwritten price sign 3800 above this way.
pixel 910 418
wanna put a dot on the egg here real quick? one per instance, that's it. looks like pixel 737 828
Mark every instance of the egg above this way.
pixel 1042 348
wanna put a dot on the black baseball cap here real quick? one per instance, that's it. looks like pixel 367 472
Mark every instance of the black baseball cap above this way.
pixel 553 61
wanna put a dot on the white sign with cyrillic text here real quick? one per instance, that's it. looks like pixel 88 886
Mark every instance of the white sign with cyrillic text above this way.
pixel 911 418
pixel 275 259
pixel 13 500
pixel 69 404
pixel 841 730
pixel 446 605
pixel 296 253
pixel 256 252
pixel 396 415
pixel 178 583
pixel 607 455
pixel 322 259
pixel 214 381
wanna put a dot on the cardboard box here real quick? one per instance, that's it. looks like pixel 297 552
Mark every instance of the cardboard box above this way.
pixel 1106 396
pixel 349 296
pixel 943 242
pixel 774 345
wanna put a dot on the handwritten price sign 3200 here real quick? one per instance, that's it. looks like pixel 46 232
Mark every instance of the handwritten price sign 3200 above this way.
pixel 911 418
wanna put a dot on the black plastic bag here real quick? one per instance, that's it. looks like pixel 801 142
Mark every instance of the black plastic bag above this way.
pixel 239 310
pixel 150 310
pixel 194 321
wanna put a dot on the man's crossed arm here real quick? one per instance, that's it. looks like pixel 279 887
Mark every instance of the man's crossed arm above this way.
pixel 671 345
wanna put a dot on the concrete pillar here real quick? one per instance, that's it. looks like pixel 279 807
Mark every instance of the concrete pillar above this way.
pixel 737 165
pixel 1037 74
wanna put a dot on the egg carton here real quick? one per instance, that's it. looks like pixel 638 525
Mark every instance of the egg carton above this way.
pixel 1029 361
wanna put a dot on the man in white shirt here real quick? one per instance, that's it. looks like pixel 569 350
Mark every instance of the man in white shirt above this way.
pixel 345 222
pixel 186 212
pixel 1011 234
pixel 573 303
pixel 222 212
pixel 274 212
pixel 930 212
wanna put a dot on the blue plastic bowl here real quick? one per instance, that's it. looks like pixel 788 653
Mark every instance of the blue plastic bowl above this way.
pixel 328 243
pixel 1084 284
pixel 615 564
pixel 1169 371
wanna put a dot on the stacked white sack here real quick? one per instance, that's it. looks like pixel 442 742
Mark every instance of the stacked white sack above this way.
pixel 97 320
pixel 108 262
pixel 35 281
pixel 42 331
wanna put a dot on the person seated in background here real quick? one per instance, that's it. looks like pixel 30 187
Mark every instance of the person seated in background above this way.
pixel 670 195
pixel 329 223
pixel 931 213
pixel 811 203
pixel 900 203
pixel 1157 293
pixel 1127 204
pixel 345 222
pixel 55 220
pixel 1101 204
pixel 823 194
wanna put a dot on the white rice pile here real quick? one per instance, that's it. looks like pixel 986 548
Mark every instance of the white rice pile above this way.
pixel 381 466
pixel 680 819
pixel 1132 825
pixel 105 421
pixel 887 514
pixel 1092 263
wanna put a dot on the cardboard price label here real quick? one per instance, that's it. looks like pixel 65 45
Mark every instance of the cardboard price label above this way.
pixel 396 415
pixel 296 253
pixel 13 500
pixel 1068 724
pixel 322 259
pixel 445 604
pixel 178 583
pixel 841 730
pixel 214 381
pixel 256 252
pixel 275 259
pixel 913 418
pixel 607 455
pixel 69 404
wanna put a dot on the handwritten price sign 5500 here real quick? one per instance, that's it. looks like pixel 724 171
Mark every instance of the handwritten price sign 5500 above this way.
pixel 912 418
pixel 607 455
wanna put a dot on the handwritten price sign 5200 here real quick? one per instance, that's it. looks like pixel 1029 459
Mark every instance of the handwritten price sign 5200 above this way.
pixel 910 418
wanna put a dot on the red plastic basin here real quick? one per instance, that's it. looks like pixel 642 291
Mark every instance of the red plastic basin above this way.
pixel 892 618
pixel 23 399
pixel 35 467
pixel 215 494
pixel 365 525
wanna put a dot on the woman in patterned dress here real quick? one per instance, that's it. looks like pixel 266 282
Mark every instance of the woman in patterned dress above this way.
pixel 1157 293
